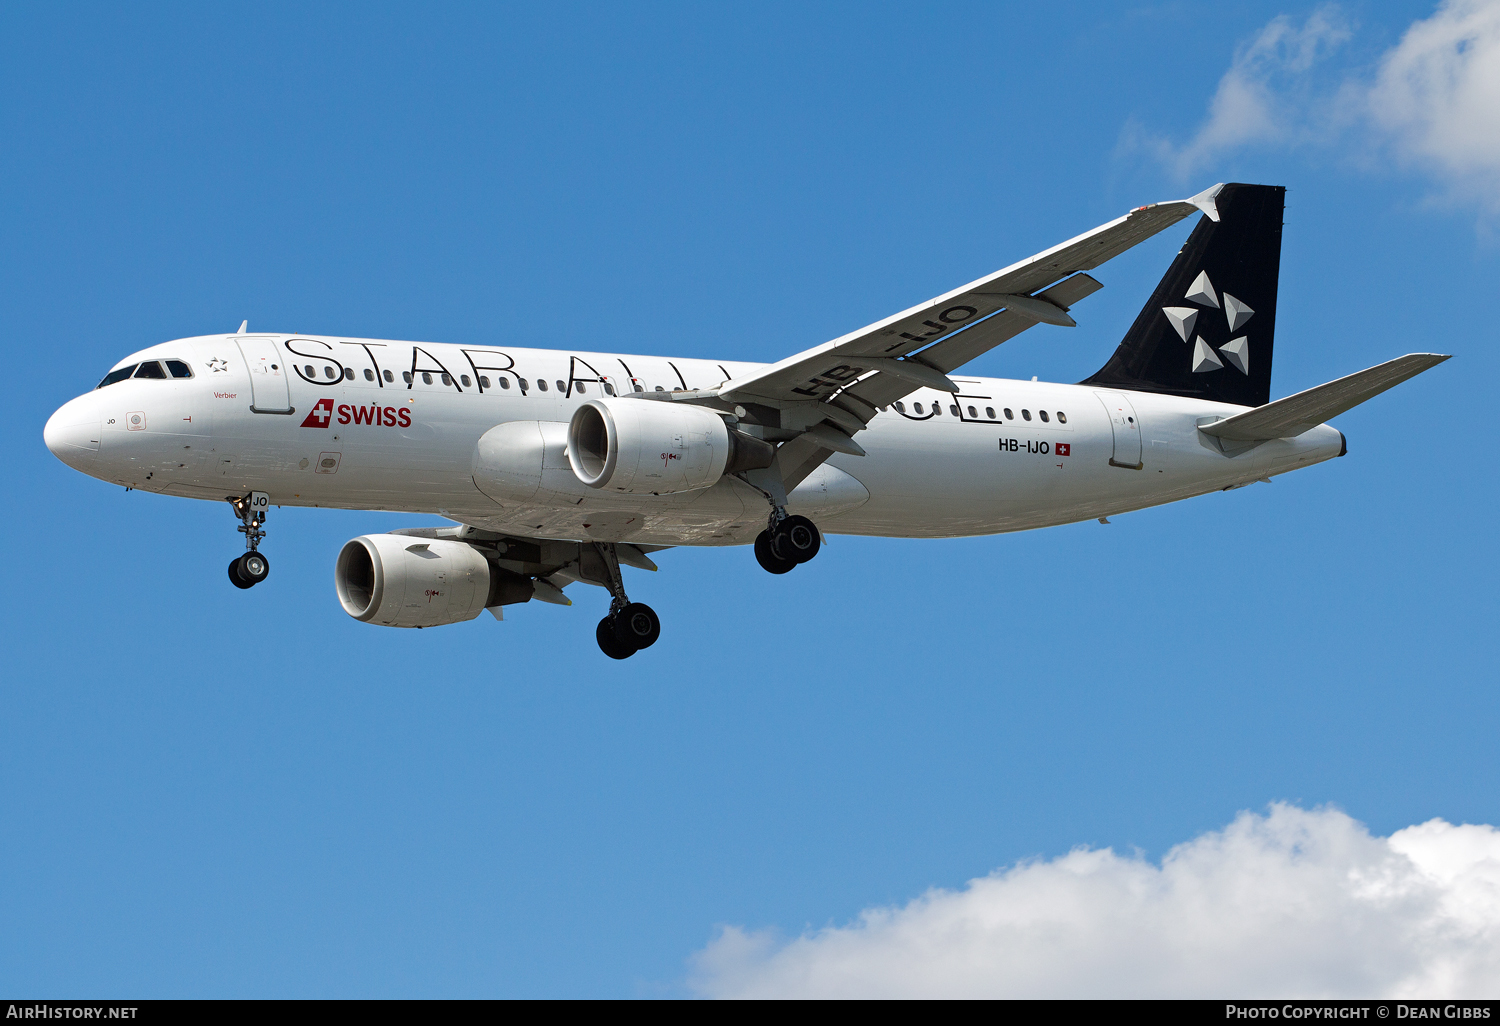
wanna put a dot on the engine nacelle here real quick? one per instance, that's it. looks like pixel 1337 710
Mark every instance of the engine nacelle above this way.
pixel 642 446
pixel 526 461
pixel 399 581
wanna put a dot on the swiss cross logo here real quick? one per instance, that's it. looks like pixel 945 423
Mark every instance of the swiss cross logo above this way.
pixel 1063 448
pixel 321 414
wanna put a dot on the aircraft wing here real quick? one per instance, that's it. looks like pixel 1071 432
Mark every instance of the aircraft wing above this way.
pixel 828 393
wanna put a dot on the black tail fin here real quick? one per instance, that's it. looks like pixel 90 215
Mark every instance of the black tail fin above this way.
pixel 1210 327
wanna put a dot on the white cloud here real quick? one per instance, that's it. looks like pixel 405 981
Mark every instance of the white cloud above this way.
pixel 1265 95
pixel 1295 903
pixel 1431 102
pixel 1436 98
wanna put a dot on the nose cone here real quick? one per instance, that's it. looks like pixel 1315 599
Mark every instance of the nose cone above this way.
pixel 72 433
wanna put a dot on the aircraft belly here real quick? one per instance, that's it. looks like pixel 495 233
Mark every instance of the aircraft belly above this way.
pixel 729 513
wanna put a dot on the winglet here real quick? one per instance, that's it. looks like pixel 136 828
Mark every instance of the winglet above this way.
pixel 1204 201
pixel 244 327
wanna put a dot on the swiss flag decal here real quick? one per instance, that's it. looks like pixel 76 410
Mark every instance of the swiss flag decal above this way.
pixel 321 414
pixel 1063 449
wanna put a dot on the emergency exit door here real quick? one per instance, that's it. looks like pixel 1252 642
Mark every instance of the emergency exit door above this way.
pixel 1127 430
pixel 269 392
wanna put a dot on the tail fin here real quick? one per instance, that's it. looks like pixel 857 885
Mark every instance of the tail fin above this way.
pixel 1210 327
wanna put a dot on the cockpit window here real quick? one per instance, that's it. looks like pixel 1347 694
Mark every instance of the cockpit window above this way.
pixel 117 375
pixel 179 369
pixel 150 369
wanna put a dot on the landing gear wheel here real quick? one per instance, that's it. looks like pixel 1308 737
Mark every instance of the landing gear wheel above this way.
pixel 608 643
pixel 796 539
pixel 254 567
pixel 637 626
pixel 766 556
pixel 251 568
pixel 234 574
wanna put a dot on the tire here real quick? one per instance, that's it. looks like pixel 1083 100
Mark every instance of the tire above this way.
pixel 797 539
pixel 252 568
pixel 608 643
pixel 637 626
pixel 766 556
pixel 234 574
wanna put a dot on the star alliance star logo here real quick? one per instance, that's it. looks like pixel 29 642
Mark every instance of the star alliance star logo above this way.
pixel 218 364
pixel 1185 318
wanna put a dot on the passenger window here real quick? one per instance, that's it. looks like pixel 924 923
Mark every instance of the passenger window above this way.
pixel 609 389
pixel 973 413
pixel 1008 414
pixel 505 382
pixel 562 386
pixel 178 369
pixel 447 379
pixel 1043 415
pixel 900 408
pixel 522 383
pixel 989 411
pixel 330 373
pixel 917 407
pixel 117 375
pixel 406 376
pixel 581 389
pixel 484 381
pixel 541 385
pixel 660 389
pixel 465 379
pixel 390 377
pixel 308 370
pixel 426 378
pixel 953 409
pixel 1062 418
pixel 369 374
pixel 1025 414
pixel 150 369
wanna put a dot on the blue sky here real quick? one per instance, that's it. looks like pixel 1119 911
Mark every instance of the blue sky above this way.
pixel 207 792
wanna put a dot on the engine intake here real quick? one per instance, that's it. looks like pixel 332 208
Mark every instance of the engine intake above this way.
pixel 643 446
pixel 401 581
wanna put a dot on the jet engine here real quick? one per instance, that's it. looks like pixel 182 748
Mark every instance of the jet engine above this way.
pixel 403 581
pixel 648 447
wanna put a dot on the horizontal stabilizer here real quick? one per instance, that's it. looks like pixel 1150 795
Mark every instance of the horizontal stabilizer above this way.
pixel 1289 417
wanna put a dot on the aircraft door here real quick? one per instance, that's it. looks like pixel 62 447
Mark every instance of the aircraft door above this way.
pixel 1127 430
pixel 269 391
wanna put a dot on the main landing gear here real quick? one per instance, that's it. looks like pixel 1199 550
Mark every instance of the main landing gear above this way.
pixel 253 567
pixel 630 626
pixel 787 542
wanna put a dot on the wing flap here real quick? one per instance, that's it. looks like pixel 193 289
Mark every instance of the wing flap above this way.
pixel 1289 417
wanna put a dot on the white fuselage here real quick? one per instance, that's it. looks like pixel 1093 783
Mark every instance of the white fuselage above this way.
pixel 379 442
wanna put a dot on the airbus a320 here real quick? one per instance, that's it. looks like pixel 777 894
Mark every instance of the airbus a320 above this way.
pixel 559 467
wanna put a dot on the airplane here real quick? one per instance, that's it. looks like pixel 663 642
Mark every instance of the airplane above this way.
pixel 558 467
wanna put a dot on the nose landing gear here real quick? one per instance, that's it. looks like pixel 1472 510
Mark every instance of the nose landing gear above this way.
pixel 787 542
pixel 248 570
pixel 253 567
pixel 630 626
